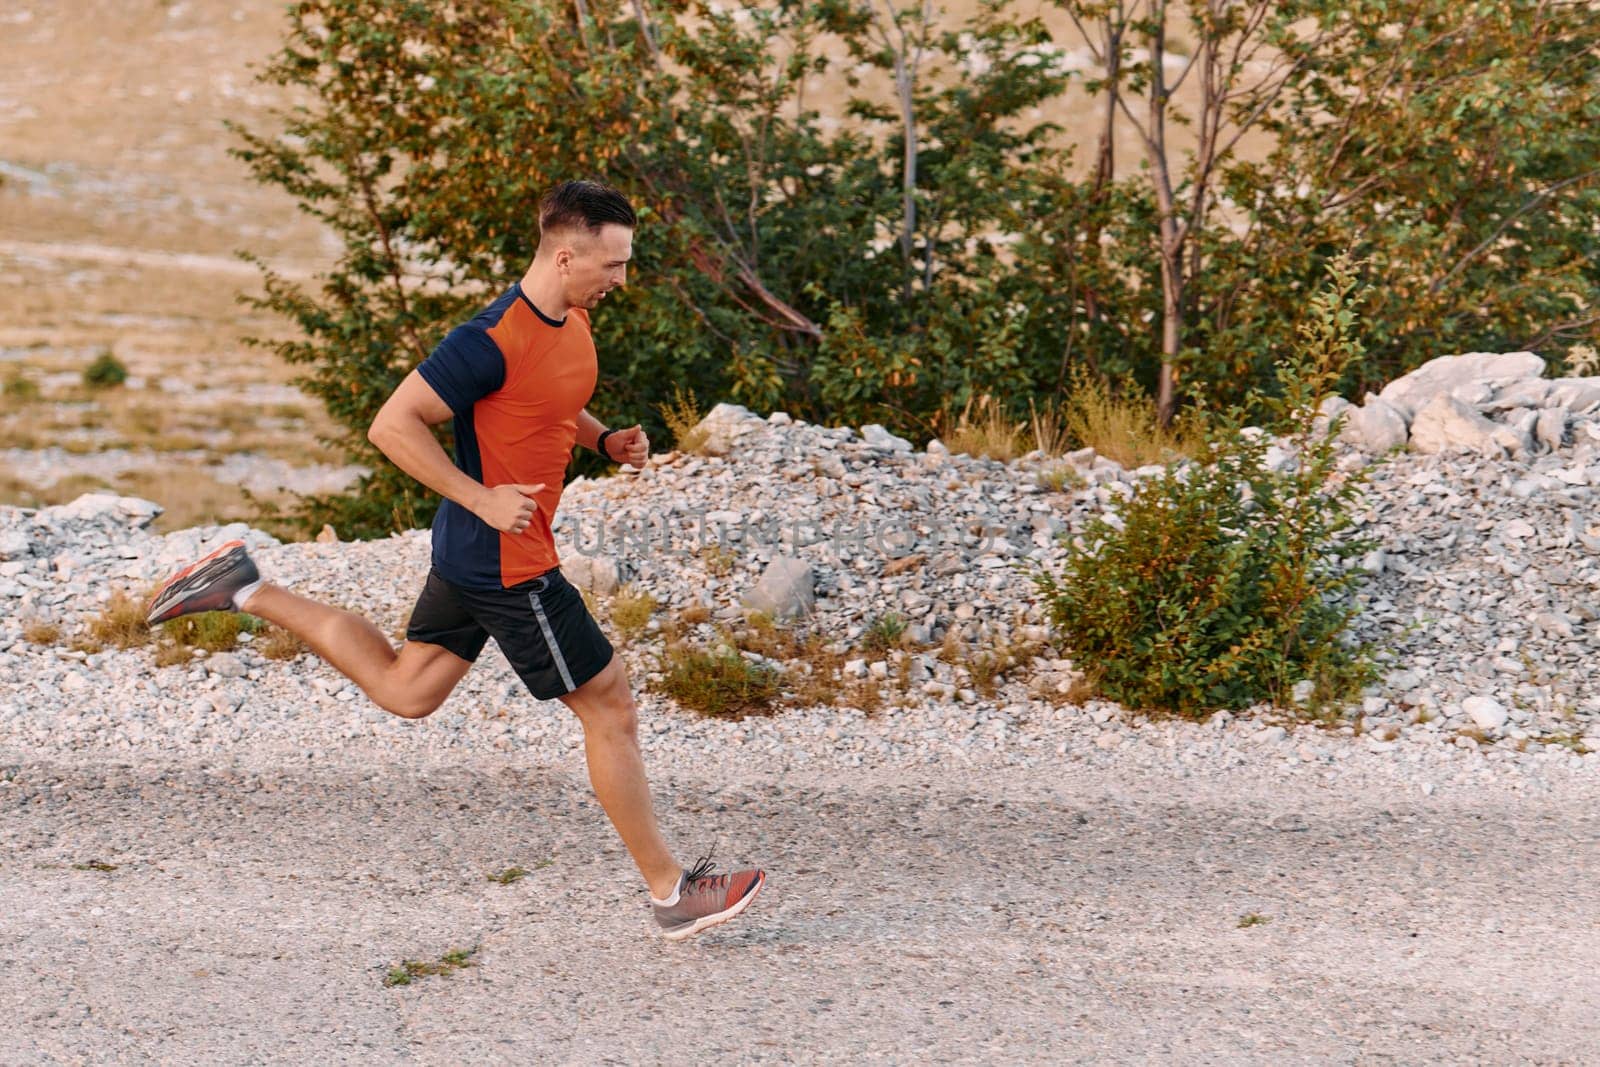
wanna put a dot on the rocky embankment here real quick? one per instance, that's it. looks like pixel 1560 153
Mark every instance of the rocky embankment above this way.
pixel 1483 595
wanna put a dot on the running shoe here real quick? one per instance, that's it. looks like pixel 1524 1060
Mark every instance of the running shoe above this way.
pixel 207 584
pixel 706 899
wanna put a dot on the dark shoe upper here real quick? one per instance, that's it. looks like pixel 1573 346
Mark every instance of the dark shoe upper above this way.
pixel 208 584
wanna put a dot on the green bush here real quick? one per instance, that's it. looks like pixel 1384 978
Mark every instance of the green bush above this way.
pixel 105 372
pixel 719 683
pixel 1225 580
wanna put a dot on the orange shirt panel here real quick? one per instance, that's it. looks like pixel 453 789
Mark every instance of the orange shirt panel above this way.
pixel 527 428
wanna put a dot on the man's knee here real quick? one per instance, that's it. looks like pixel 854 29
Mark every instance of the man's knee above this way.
pixel 605 703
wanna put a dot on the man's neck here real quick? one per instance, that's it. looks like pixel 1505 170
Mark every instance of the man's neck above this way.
pixel 542 286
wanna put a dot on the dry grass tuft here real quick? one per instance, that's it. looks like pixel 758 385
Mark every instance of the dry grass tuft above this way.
pixel 683 416
pixel 631 610
pixel 719 560
pixel 1050 433
pixel 120 623
pixel 983 429
pixel 39 632
pixel 816 674
pixel 693 615
pixel 1121 428
pixel 171 654
pixel 276 643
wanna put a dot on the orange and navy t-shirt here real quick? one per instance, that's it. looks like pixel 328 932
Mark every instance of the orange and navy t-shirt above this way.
pixel 515 380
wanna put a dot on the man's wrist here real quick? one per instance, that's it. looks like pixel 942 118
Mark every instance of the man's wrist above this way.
pixel 600 443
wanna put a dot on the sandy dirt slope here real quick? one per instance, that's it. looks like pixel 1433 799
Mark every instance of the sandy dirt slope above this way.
pixel 254 912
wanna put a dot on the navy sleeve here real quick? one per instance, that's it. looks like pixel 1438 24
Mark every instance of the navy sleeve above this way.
pixel 466 367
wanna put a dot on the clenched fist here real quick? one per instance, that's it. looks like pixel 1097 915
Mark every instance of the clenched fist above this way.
pixel 510 508
pixel 629 446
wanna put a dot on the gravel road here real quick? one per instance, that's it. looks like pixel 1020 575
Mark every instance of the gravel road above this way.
pixel 912 915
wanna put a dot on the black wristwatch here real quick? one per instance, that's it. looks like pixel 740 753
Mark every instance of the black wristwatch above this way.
pixel 600 445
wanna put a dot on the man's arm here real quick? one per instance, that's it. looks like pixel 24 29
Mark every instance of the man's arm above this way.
pixel 401 431
pixel 629 446
pixel 589 430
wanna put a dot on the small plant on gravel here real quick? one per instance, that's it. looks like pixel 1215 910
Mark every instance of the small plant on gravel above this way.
pixel 94 865
pixel 276 643
pixel 694 614
pixel 20 389
pixel 170 654
pixel 719 682
pixel 449 963
pixel 983 429
pixel 1572 741
pixel 884 633
pixel 214 631
pixel 1061 478
pixel 1223 581
pixel 106 371
pixel 719 560
pixel 40 632
pixel 516 874
pixel 120 623
pixel 682 416
pixel 1119 426
pixel 631 610
pixel 987 667
pixel 1252 919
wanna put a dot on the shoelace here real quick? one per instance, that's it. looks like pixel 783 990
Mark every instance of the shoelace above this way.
pixel 699 878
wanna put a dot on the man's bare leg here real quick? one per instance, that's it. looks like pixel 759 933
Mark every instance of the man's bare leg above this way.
pixel 410 683
pixel 605 706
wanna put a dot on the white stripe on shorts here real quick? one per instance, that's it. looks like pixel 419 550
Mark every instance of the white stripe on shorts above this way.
pixel 550 639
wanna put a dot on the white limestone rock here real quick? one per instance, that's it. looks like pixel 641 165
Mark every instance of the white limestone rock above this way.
pixel 785 591
pixel 1375 426
pixel 1446 424
pixel 1448 374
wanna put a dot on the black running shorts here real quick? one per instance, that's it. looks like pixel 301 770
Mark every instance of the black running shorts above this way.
pixel 542 625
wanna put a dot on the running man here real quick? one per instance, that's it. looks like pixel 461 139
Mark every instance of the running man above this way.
pixel 515 380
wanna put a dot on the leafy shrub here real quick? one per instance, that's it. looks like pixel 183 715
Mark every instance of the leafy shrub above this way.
pixel 105 372
pixel 1224 581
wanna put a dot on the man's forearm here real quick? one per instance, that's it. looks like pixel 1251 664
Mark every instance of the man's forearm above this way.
pixel 411 446
pixel 589 430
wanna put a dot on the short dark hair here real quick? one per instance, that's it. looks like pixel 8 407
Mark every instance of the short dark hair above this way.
pixel 589 205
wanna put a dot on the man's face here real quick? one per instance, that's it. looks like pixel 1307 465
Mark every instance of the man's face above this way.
pixel 597 264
